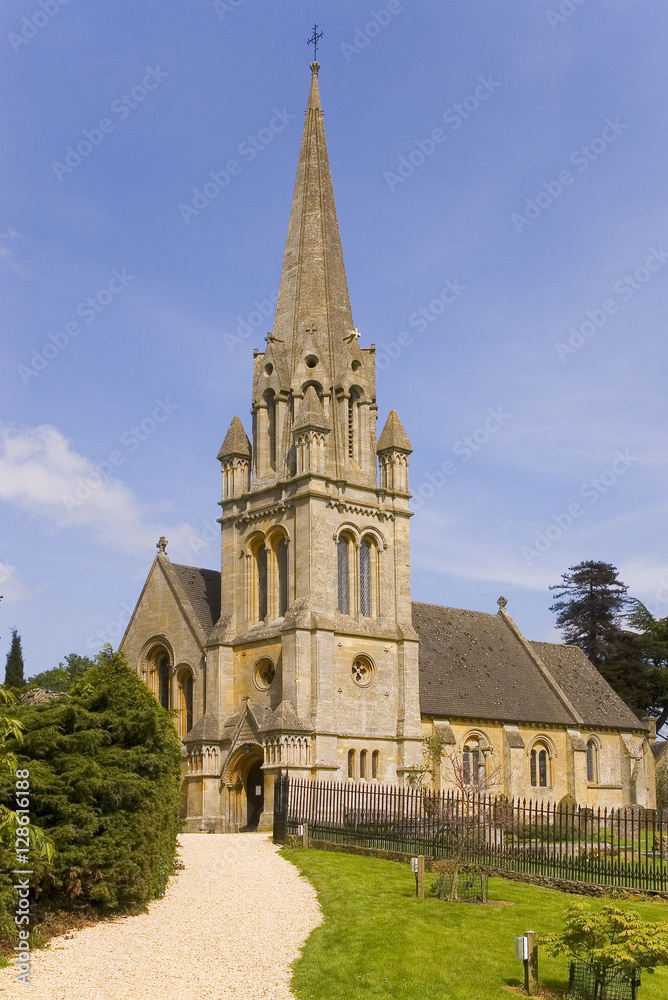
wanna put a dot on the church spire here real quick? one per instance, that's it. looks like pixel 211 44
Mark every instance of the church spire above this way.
pixel 313 301
pixel 314 344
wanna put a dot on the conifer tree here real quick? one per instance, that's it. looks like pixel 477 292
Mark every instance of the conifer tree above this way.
pixel 591 616
pixel 591 610
pixel 105 767
pixel 14 668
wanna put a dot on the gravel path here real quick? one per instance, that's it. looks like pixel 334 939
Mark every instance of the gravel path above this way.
pixel 228 928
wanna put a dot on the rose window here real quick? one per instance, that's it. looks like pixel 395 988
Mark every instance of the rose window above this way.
pixel 265 671
pixel 362 670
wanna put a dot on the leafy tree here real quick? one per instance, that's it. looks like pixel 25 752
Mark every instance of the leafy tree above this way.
pixel 105 764
pixel 661 785
pixel 610 939
pixel 464 821
pixel 14 666
pixel 61 678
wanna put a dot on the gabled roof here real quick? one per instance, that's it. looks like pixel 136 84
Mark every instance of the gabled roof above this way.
pixel 196 593
pixel 472 665
pixel 206 730
pixel 202 587
pixel 284 718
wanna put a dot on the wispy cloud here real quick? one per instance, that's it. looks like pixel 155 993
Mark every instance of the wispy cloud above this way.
pixel 8 259
pixel 12 588
pixel 43 475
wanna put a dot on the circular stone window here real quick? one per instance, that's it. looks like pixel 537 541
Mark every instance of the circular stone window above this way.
pixel 362 671
pixel 264 673
pixel 311 361
pixel 356 365
pixel 268 368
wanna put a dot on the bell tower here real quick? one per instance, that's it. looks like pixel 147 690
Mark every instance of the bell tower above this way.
pixel 315 628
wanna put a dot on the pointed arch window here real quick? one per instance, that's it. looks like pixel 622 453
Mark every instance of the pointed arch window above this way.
pixel 270 400
pixel 351 763
pixel 189 702
pixel 343 570
pixel 368 578
pixel 354 424
pixel 365 578
pixel 163 680
pixel 282 564
pixel 185 692
pixel 363 756
pixel 592 762
pixel 261 559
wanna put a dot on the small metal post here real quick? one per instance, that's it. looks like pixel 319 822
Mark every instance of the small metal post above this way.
pixel 419 877
pixel 305 835
pixel 531 964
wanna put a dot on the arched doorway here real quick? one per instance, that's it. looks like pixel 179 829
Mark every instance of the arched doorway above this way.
pixel 254 794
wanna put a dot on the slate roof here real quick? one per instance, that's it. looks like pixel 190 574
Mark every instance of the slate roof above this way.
pixel 202 587
pixel 584 686
pixel 204 731
pixel 473 666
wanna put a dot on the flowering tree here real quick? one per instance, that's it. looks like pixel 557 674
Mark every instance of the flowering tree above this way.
pixel 467 816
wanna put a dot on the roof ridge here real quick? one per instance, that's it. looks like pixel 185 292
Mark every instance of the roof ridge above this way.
pixel 538 661
pixel 450 607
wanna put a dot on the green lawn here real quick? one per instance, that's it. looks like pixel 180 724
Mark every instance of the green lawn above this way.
pixel 378 941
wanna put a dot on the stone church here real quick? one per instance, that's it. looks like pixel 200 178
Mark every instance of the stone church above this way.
pixel 305 653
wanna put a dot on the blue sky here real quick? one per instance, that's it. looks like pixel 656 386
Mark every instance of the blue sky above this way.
pixel 499 170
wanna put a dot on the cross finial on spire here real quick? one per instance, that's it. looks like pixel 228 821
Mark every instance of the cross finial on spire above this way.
pixel 314 39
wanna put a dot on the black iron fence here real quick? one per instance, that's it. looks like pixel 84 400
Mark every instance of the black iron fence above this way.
pixel 621 847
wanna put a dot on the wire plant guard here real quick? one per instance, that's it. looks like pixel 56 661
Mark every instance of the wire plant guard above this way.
pixel 584 984
pixel 471 887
